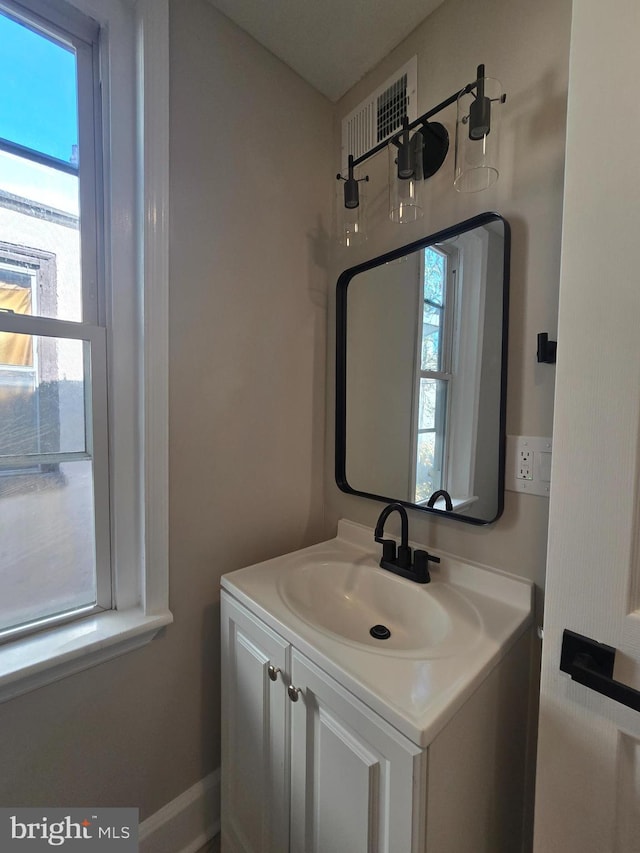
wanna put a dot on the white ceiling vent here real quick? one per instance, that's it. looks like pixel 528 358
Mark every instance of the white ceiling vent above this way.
pixel 380 115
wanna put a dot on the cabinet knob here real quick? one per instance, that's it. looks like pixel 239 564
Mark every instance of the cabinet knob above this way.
pixel 273 671
pixel 293 692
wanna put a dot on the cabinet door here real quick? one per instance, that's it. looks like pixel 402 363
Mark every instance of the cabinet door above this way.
pixel 357 785
pixel 255 748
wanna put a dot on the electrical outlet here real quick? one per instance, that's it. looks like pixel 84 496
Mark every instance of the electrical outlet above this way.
pixel 528 465
pixel 525 465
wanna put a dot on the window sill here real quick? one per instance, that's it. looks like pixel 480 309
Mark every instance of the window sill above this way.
pixel 457 503
pixel 43 658
pixel 463 503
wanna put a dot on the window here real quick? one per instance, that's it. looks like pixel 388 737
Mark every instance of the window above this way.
pixel 83 557
pixel 53 373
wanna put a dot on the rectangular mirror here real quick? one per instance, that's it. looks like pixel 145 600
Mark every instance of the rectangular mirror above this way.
pixel 421 368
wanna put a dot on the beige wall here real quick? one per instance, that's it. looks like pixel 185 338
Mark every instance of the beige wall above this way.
pixel 526 46
pixel 250 212
pixel 380 377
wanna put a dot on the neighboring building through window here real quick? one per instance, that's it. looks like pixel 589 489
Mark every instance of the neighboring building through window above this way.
pixel 28 286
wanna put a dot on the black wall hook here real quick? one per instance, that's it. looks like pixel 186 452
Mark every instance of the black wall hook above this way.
pixel 546 349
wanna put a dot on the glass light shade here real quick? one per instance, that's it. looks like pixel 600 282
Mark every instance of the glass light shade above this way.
pixel 477 136
pixel 352 222
pixel 405 194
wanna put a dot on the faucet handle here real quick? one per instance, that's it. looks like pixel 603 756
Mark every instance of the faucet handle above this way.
pixel 421 561
pixel 404 557
pixel 388 550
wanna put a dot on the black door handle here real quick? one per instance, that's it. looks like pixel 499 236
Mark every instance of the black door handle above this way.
pixel 591 664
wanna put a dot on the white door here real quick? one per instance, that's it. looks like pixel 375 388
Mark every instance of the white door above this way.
pixel 588 784
pixel 355 781
pixel 255 736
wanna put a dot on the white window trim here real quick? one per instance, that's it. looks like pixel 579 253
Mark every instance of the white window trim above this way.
pixel 137 230
pixel 465 397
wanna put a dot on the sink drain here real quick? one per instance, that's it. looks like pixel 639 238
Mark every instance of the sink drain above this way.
pixel 380 632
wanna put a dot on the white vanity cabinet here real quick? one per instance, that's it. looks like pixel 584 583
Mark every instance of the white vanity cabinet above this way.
pixel 255 734
pixel 308 767
pixel 328 732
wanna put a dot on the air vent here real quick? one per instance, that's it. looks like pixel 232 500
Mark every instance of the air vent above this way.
pixel 380 115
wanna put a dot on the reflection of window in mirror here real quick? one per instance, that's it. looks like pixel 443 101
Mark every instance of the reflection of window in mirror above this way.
pixel 433 374
pixel 447 368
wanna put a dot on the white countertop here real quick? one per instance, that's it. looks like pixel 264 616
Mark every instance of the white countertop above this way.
pixel 416 694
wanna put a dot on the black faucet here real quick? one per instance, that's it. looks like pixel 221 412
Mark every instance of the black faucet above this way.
pixel 401 564
pixel 441 493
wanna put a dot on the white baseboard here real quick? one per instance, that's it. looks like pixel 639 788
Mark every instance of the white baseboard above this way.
pixel 185 824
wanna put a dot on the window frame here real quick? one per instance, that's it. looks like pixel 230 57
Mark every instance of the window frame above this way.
pixel 134 242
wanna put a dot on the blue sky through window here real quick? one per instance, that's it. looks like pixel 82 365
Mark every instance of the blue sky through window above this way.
pixel 38 106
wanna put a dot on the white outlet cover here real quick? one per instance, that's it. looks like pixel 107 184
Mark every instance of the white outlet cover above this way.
pixel 540 466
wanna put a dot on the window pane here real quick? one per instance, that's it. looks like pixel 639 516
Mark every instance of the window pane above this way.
pixel 42 395
pixel 39 239
pixel 431 437
pixel 431 337
pixel 434 276
pixel 433 309
pixel 39 204
pixel 427 478
pixel 430 400
pixel 47 547
pixel 38 108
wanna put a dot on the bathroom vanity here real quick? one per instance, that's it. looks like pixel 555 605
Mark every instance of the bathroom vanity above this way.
pixel 336 741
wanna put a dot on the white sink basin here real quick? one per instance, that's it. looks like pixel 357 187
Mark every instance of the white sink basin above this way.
pixel 445 636
pixel 347 599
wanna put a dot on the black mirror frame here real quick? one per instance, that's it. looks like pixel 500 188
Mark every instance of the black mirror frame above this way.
pixel 341 362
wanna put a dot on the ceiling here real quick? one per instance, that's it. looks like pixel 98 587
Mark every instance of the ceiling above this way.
pixel 330 43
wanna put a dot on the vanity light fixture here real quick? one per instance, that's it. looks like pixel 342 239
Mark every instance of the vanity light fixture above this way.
pixel 476 163
pixel 352 215
pixel 420 148
pixel 405 175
